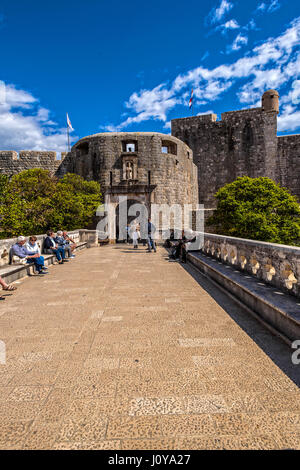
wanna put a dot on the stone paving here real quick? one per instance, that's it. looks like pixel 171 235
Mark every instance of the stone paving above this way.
pixel 120 349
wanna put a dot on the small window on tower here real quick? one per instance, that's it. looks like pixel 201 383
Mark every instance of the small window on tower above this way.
pixel 84 148
pixel 168 147
pixel 129 146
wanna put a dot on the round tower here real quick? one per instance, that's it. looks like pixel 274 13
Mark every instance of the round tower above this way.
pixel 270 101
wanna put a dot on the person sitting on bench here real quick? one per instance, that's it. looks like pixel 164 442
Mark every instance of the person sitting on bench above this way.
pixel 21 251
pixel 70 241
pixel 64 243
pixel 179 251
pixel 51 247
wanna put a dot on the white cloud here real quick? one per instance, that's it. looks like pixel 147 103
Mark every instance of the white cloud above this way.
pixel 295 92
pixel 261 7
pixel 289 119
pixel 24 125
pixel 240 40
pixel 217 13
pixel 273 64
pixel 229 25
pixel 148 104
pixel 273 5
pixel 251 26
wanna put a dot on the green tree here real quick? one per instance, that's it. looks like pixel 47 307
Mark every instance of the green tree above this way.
pixel 257 209
pixel 4 180
pixel 34 201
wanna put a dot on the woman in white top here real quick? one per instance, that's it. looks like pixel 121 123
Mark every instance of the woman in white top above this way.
pixel 33 246
pixel 135 238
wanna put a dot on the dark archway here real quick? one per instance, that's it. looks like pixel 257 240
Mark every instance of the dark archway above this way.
pixel 130 218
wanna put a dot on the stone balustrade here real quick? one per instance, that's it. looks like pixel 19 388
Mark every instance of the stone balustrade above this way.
pixel 278 265
pixel 79 236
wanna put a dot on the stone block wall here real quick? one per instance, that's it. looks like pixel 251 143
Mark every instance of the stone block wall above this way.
pixel 288 170
pixel 12 163
pixel 170 177
pixel 242 143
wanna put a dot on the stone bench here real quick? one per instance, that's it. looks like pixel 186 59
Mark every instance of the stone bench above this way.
pixel 275 308
pixel 13 272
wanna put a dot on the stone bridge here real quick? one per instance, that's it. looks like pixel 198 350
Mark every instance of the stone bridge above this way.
pixel 120 349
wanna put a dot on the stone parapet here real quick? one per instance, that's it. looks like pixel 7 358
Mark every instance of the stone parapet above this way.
pixel 12 163
pixel 277 265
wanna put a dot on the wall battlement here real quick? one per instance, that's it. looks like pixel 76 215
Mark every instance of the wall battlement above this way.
pixel 12 162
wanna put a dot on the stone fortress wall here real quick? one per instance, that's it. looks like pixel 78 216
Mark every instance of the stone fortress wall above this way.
pixel 160 167
pixel 243 143
pixel 288 164
pixel 150 167
pixel 12 163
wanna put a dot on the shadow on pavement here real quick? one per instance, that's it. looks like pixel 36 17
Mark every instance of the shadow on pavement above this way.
pixel 278 351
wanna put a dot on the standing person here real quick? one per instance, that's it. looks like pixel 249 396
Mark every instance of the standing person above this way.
pixel 138 228
pixel 51 247
pixel 127 233
pixel 21 251
pixel 151 232
pixel 135 238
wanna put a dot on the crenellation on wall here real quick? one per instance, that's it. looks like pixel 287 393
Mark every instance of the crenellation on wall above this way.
pixel 250 112
pixel 12 162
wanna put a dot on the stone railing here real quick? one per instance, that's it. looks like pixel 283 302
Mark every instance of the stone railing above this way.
pixel 278 265
pixel 79 236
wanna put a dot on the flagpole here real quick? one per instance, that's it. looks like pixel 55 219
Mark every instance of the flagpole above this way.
pixel 68 132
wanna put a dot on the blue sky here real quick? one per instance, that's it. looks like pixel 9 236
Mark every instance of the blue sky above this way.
pixel 130 66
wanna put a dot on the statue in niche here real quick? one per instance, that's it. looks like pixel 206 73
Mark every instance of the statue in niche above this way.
pixel 129 171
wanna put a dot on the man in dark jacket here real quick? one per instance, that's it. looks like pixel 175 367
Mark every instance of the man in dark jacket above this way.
pixel 51 247
pixel 151 236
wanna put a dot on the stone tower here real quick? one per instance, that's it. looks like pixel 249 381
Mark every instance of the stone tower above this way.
pixel 243 143
pixel 270 101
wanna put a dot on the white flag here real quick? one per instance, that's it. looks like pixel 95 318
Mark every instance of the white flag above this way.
pixel 69 123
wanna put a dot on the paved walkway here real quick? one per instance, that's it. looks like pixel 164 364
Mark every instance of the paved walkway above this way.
pixel 120 349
